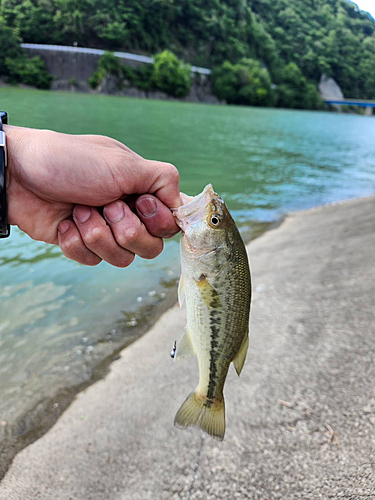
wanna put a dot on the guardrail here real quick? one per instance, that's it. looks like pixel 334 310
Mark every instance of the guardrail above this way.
pixel 99 52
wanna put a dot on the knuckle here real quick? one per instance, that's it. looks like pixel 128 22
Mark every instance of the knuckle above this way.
pixel 173 173
pixel 129 236
pixel 107 141
pixel 94 236
pixel 70 244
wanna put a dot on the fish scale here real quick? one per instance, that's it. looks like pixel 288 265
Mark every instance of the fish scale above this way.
pixel 215 281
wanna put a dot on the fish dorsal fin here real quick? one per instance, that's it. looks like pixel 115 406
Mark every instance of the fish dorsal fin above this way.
pixel 185 348
pixel 181 290
pixel 239 360
pixel 208 293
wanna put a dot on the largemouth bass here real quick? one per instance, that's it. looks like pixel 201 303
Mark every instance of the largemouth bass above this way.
pixel 215 282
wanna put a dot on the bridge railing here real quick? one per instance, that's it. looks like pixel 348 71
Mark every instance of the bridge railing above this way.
pixel 351 102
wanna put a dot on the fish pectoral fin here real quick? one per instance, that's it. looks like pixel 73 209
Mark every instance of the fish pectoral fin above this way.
pixel 209 294
pixel 185 348
pixel 239 360
pixel 181 290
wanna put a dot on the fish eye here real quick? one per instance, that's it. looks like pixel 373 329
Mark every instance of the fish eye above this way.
pixel 215 219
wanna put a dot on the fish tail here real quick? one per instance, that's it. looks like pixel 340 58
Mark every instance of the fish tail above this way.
pixel 201 412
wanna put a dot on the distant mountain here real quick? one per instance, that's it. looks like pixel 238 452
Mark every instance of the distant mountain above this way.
pixel 321 36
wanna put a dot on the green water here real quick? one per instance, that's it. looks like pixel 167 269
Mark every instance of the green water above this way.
pixel 60 319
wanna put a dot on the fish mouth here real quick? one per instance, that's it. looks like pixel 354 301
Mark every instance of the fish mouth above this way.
pixel 194 210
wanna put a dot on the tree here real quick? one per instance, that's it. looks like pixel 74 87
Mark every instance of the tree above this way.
pixel 244 83
pixel 10 45
pixel 295 91
pixel 330 36
pixel 14 63
pixel 171 75
pixel 29 71
pixel 167 74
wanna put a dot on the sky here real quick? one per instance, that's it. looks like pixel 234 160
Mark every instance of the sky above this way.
pixel 367 5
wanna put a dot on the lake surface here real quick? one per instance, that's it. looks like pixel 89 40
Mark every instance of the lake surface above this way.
pixel 59 320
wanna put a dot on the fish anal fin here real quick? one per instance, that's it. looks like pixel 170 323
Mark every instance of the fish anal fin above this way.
pixel 209 294
pixel 181 290
pixel 239 360
pixel 185 348
pixel 198 411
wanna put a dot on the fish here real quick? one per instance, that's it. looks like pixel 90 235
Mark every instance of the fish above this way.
pixel 215 282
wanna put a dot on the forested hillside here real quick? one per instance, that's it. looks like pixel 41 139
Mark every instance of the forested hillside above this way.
pixel 330 36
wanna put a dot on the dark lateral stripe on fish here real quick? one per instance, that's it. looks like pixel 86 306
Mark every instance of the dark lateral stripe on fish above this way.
pixel 215 320
pixel 215 302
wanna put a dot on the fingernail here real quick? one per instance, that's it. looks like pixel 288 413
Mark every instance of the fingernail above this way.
pixel 114 212
pixel 63 226
pixel 81 213
pixel 146 206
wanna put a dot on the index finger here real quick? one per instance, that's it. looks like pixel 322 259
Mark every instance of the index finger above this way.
pixel 165 184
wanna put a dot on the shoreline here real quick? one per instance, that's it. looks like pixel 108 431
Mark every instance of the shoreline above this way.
pixel 35 421
pixel 309 325
pixel 47 413
pixel 135 93
pixel 32 423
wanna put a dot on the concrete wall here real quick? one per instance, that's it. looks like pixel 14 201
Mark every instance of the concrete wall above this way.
pixel 66 62
pixel 67 65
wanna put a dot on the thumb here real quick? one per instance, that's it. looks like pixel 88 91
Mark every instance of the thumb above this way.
pixel 165 183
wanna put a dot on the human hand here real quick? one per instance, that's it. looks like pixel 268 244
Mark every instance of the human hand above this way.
pixel 55 182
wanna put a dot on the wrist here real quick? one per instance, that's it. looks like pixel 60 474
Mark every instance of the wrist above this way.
pixel 15 136
pixel 15 141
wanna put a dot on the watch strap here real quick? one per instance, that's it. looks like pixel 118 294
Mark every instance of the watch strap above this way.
pixel 4 226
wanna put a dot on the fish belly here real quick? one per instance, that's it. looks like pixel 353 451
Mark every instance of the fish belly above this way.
pixel 215 349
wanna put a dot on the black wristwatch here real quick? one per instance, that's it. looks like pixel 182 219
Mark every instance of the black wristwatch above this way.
pixel 4 226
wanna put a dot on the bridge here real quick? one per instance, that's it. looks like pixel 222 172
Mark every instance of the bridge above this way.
pixel 362 103
pixel 351 102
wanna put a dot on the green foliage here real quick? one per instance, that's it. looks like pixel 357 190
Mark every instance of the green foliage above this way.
pixel 226 82
pixel 73 82
pixel 295 91
pixel 108 64
pixel 167 74
pixel 141 77
pixel 243 83
pixel 312 99
pixel 14 63
pixel 330 36
pixel 10 46
pixel 29 71
pixel 96 79
pixel 171 75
